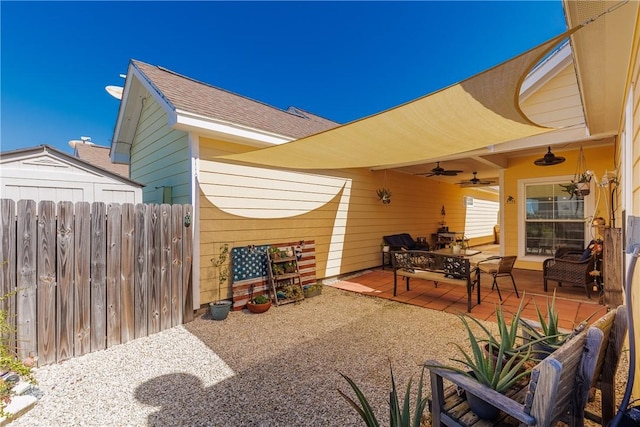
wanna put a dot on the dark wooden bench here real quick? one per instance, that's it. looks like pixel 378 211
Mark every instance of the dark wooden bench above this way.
pixel 437 268
pixel 558 385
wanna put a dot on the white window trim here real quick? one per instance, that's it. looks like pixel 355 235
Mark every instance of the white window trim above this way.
pixel 589 205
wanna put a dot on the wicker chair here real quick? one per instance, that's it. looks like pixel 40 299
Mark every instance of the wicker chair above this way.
pixel 566 267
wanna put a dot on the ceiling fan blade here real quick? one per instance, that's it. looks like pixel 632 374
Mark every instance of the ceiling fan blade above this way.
pixel 465 184
pixel 426 174
pixel 450 172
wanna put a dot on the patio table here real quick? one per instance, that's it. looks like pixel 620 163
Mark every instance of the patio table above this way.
pixel 467 253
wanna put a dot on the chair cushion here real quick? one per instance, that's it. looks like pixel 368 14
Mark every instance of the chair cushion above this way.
pixel 585 255
pixel 489 267
pixel 400 240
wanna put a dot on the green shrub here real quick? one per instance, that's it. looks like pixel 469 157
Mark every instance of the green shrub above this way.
pixel 9 359
pixel 261 299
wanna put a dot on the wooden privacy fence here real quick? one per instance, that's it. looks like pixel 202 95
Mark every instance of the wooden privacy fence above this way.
pixel 90 276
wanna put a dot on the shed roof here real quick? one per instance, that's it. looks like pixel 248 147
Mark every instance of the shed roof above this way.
pixel 12 155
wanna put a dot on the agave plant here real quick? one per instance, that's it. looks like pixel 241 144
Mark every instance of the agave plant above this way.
pixel 496 371
pixel 547 334
pixel 399 416
pixel 508 332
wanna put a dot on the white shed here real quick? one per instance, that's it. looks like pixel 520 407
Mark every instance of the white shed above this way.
pixel 45 173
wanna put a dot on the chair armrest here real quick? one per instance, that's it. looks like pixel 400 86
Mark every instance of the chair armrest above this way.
pixel 491 258
pixel 572 261
pixel 499 400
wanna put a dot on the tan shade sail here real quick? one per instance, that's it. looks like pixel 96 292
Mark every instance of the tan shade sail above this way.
pixel 478 112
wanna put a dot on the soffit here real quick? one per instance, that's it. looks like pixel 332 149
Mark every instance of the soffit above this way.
pixel 601 52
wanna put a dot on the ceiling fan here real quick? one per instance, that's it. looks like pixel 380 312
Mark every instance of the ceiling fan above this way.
pixel 476 181
pixel 437 171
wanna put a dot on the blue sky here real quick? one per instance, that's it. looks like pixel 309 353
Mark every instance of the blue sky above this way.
pixel 340 60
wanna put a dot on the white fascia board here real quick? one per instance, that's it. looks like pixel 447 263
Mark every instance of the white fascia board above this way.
pixel 118 156
pixel 191 122
pixel 166 105
pixel 546 70
pixel 113 149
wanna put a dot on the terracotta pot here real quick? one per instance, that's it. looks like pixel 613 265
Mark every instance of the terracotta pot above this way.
pixel 258 308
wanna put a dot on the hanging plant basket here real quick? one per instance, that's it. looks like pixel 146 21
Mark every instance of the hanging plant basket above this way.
pixel 580 185
pixel 384 195
pixel 583 189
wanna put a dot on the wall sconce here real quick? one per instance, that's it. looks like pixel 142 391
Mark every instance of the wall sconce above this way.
pixel 511 200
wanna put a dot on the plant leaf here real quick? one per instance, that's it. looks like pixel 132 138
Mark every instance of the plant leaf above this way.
pixel 366 412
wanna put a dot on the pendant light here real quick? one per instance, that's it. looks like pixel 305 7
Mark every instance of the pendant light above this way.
pixel 549 159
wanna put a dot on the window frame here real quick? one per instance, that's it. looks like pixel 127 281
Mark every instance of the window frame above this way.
pixel 522 212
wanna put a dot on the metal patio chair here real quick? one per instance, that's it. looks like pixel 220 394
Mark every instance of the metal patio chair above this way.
pixel 498 269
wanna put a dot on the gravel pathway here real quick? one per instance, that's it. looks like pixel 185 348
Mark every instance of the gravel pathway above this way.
pixel 279 368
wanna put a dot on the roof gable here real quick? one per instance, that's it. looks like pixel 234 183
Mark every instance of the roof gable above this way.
pixel 191 96
pixel 49 158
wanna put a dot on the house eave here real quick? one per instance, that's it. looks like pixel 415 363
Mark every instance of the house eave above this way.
pixel 206 126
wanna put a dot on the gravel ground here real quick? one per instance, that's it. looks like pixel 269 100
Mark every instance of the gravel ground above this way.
pixel 279 368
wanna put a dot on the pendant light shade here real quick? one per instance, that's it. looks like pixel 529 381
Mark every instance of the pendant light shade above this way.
pixel 549 159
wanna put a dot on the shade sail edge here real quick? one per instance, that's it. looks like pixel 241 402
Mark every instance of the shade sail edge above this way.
pixel 475 113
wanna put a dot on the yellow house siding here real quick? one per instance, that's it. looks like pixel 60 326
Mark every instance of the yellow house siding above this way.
pixel 160 156
pixel 557 103
pixel 599 159
pixel 347 228
pixel 634 186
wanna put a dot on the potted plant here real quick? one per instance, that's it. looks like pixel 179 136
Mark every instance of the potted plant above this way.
pixel 508 333
pixel 274 253
pixel 499 369
pixel 384 195
pixel 258 304
pixel 293 292
pixel 290 267
pixel 580 185
pixel 546 336
pixel 278 269
pixel 583 183
pixel 220 308
pixel 312 290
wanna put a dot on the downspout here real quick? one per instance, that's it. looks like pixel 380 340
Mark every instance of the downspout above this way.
pixel 194 156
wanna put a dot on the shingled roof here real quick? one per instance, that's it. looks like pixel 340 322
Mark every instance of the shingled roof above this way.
pixel 99 156
pixel 192 96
